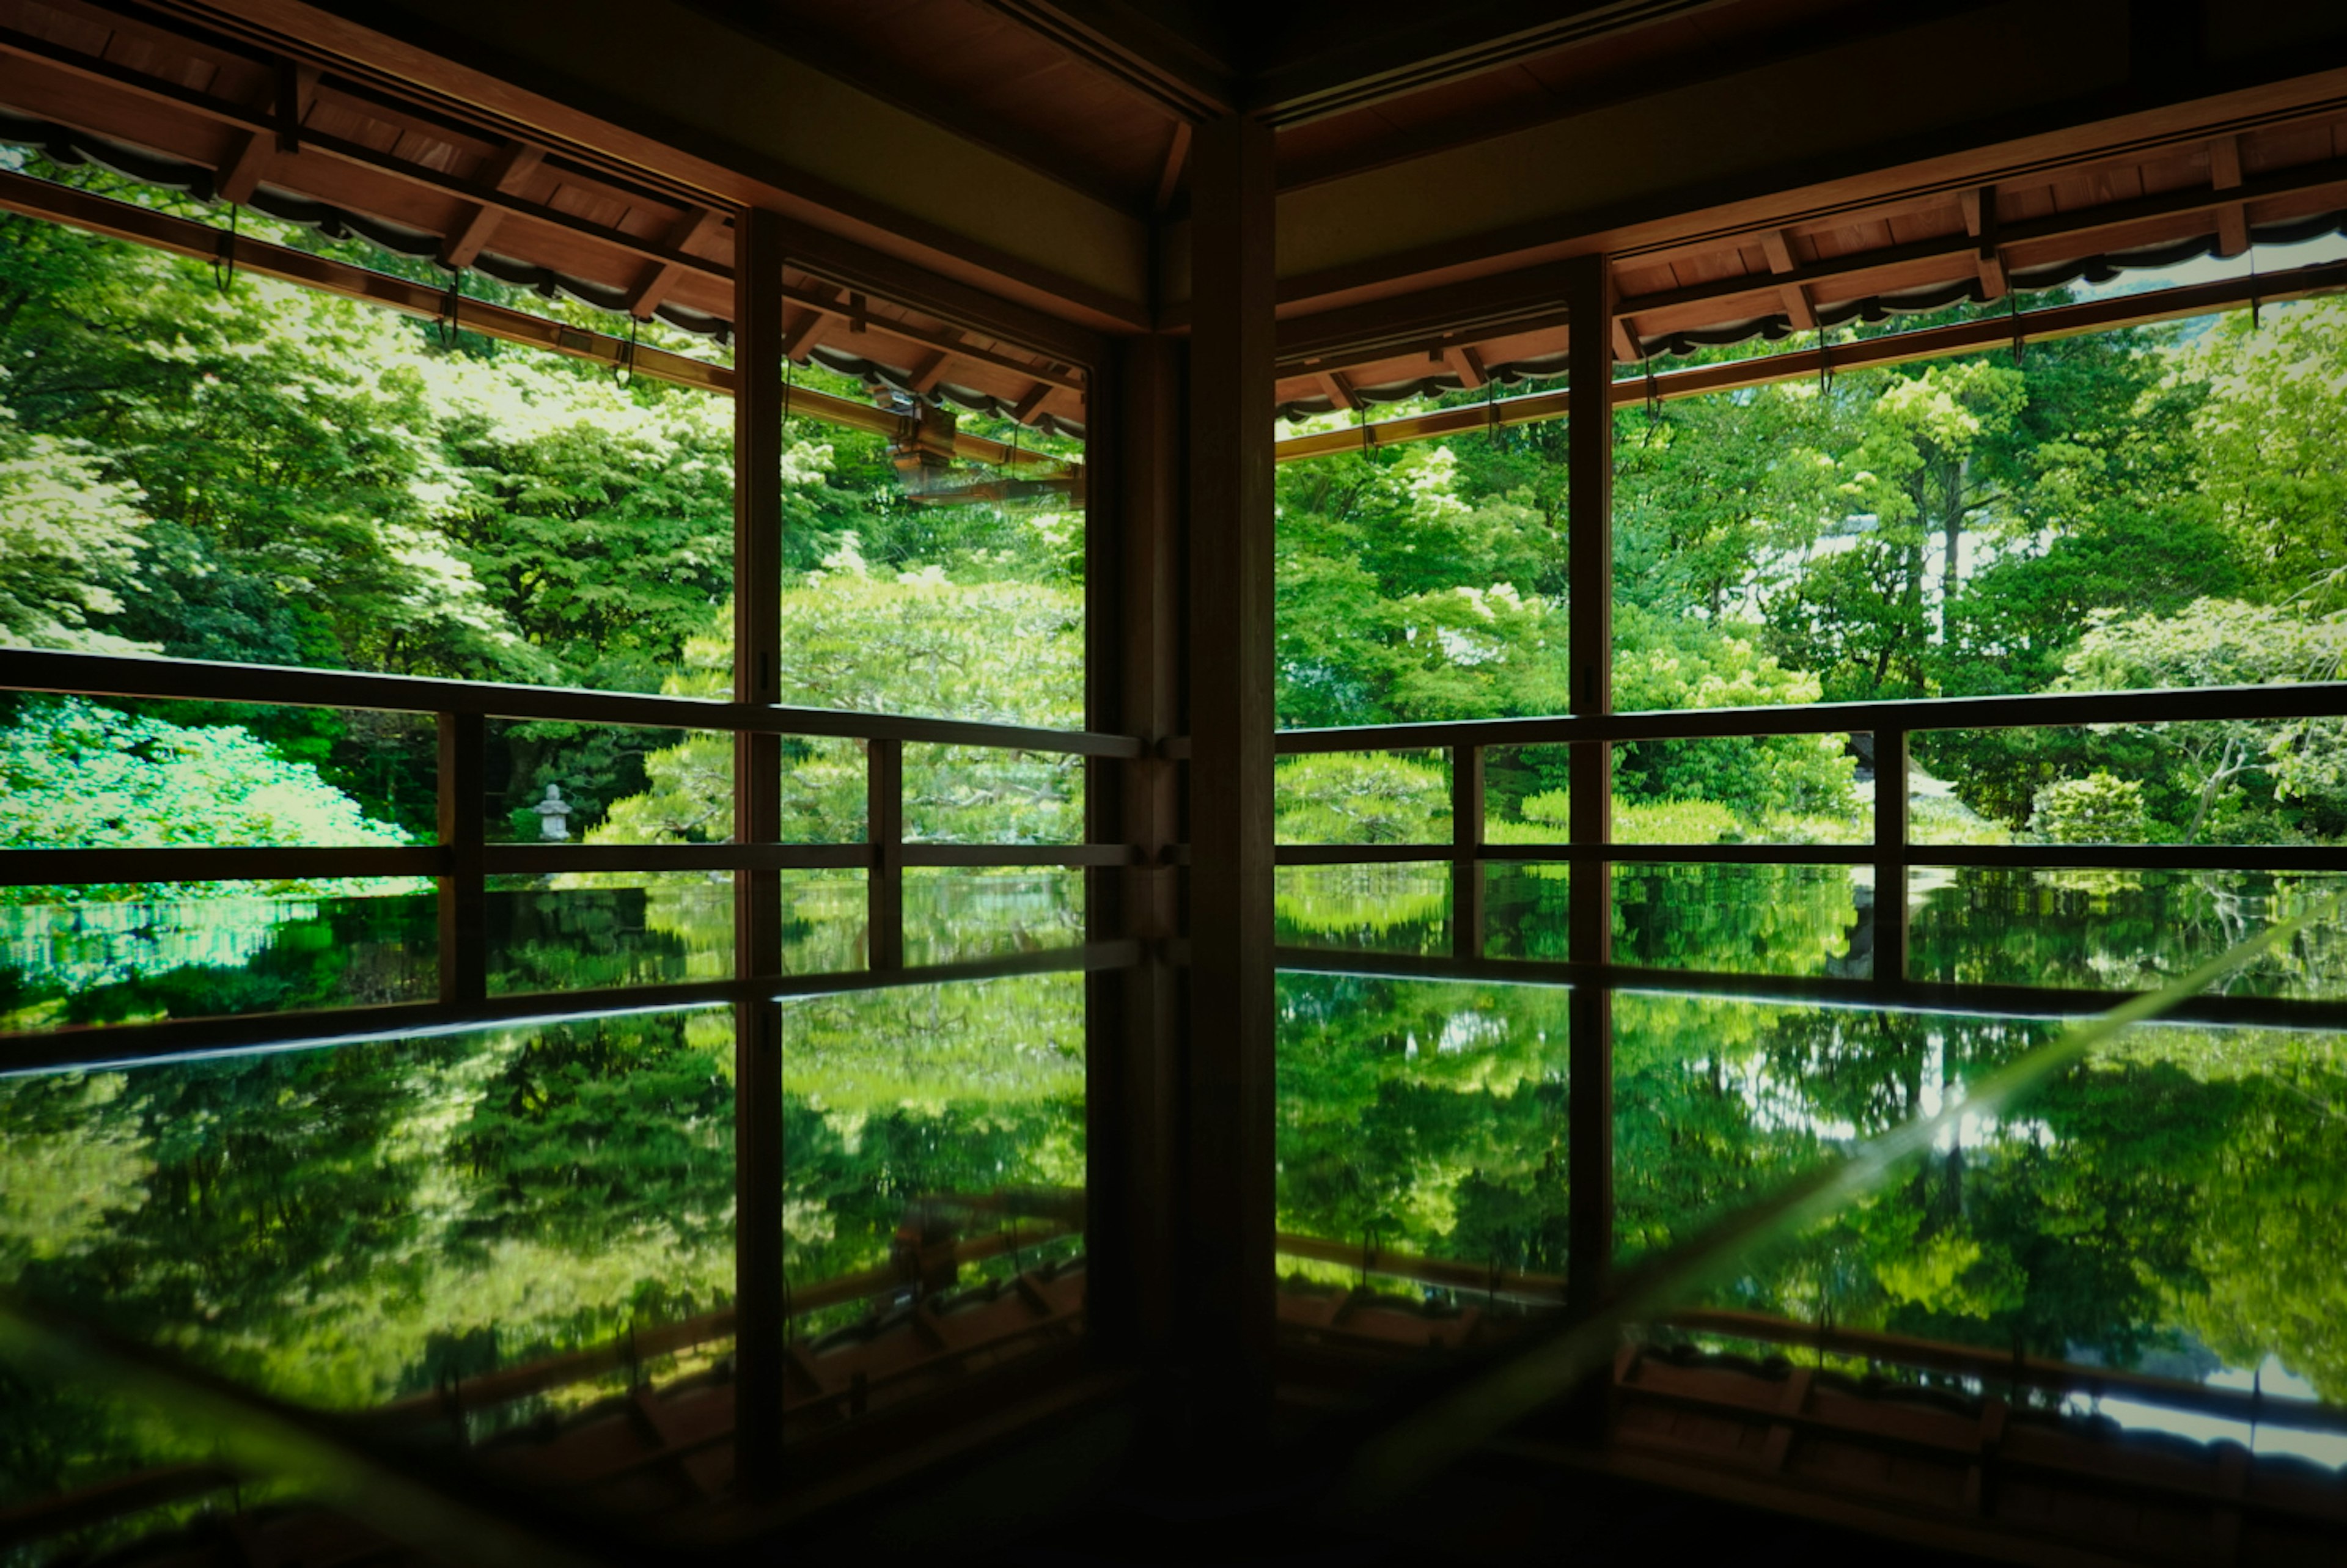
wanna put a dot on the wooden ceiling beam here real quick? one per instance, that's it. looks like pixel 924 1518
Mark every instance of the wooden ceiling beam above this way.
pixel 1471 374
pixel 1353 64
pixel 836 53
pixel 1626 341
pixel 1135 50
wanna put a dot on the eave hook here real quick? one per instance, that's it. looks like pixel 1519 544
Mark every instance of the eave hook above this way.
pixel 447 324
pixel 225 264
pixel 624 371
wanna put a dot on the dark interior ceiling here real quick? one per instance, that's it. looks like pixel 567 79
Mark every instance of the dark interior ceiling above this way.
pixel 1102 96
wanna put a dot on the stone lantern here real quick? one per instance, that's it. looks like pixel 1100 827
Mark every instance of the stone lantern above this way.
pixel 553 812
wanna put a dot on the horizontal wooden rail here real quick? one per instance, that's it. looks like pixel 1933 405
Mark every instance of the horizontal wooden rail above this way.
pixel 111 1045
pixel 2111 856
pixel 2032 710
pixel 1501 1284
pixel 1860 353
pixel 1994 1367
pixel 205 680
pixel 182 863
pixel 46 1518
pixel 1889 994
pixel 1991 1367
pixel 493 1388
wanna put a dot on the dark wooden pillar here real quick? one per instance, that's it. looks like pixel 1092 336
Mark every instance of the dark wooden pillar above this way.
pixel 1589 547
pixel 883 827
pixel 1226 1258
pixel 1890 828
pixel 464 897
pixel 1466 839
pixel 757 819
pixel 1134 569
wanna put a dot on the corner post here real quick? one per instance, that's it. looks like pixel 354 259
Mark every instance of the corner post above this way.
pixel 761 1328
pixel 1132 1059
pixel 1589 298
pixel 1226 1252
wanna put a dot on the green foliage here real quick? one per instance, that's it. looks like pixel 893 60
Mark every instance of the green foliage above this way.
pixel 76 775
pixel 1355 798
pixel 2096 809
pixel 867 639
pixel 2273 438
pixel 69 542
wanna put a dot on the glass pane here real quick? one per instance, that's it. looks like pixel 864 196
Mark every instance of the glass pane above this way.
pixel 1527 910
pixel 90 960
pixel 2237 781
pixel 597 930
pixel 1757 919
pixel 951 914
pixel 1400 908
pixel 1771 789
pixel 985 794
pixel 2128 930
pixel 1363 797
pixel 270 475
pixel 606 783
pixel 941 572
pixel 82 773
pixel 1424 581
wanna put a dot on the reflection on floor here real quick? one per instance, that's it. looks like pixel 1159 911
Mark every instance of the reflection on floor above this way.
pixel 655 1456
pixel 1886 1454
pixel 1957 1447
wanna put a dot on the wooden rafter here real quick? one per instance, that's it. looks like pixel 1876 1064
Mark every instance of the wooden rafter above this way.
pixel 1892 348
pixel 1177 155
pixel 659 277
pixel 1981 223
pixel 1776 244
pixel 2225 174
pixel 803 334
pixel 141 225
pixel 239 173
